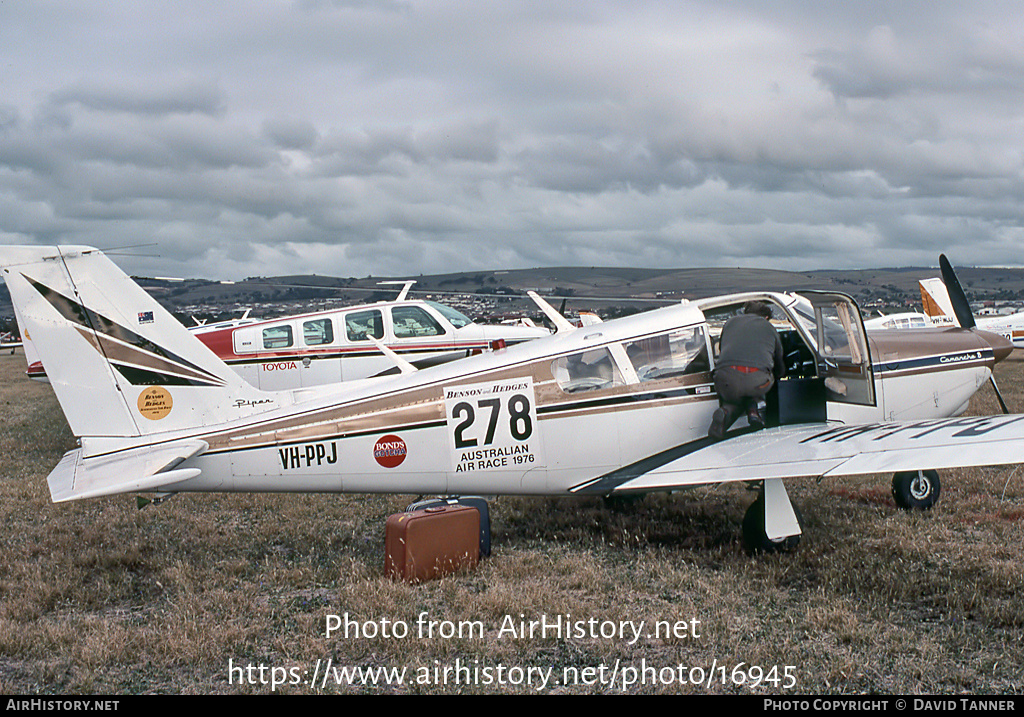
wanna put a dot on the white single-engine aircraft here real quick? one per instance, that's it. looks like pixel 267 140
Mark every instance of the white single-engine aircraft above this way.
pixel 615 408
pixel 939 311
pixel 938 307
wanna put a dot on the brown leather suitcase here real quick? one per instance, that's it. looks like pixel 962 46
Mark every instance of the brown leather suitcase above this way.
pixel 429 543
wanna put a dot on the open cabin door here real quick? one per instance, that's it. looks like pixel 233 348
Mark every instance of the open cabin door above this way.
pixel 834 326
pixel 825 347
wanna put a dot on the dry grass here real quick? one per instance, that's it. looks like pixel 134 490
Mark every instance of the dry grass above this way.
pixel 99 597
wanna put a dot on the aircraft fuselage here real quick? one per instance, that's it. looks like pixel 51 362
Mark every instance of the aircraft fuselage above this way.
pixel 550 423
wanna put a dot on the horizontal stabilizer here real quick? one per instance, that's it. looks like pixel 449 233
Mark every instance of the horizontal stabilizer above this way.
pixel 562 324
pixel 137 470
pixel 403 365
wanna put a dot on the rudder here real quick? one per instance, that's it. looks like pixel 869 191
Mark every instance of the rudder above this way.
pixel 120 364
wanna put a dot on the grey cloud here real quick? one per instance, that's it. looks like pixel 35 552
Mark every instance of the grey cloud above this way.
pixel 888 63
pixel 184 98
pixel 291 133
pixel 403 137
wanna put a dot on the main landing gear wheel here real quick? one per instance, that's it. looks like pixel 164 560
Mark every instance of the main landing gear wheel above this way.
pixel 755 538
pixel 916 490
pixel 621 503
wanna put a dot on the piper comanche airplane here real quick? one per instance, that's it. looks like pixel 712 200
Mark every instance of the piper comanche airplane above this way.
pixel 606 409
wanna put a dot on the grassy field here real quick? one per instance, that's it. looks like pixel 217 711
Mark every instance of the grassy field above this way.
pixel 234 593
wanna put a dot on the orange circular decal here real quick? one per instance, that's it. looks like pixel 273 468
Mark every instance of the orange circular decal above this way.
pixel 155 403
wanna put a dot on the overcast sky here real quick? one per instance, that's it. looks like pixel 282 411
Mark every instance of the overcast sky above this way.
pixel 356 137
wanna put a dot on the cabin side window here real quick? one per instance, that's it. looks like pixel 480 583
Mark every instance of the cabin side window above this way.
pixel 359 325
pixel 678 353
pixel 318 332
pixel 586 371
pixel 277 337
pixel 413 322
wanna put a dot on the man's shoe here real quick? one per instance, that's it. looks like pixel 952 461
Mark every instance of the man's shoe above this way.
pixel 717 430
pixel 754 418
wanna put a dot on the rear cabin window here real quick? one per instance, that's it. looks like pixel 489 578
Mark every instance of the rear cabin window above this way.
pixel 413 322
pixel 318 332
pixel 277 337
pixel 361 324
pixel 677 353
pixel 586 371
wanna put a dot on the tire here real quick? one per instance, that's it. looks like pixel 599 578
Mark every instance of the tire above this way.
pixel 756 540
pixel 622 503
pixel 916 490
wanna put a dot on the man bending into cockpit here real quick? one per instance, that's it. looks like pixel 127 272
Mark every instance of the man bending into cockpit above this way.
pixel 749 362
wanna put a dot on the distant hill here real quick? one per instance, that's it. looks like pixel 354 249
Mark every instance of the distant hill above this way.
pixel 893 288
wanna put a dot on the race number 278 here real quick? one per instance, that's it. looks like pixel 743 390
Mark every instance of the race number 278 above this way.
pixel 492 426
pixel 520 424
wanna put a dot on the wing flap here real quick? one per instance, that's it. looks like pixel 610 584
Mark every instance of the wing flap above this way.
pixel 137 470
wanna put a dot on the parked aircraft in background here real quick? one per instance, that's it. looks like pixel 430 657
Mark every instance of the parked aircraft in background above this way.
pixel 938 307
pixel 8 341
pixel 904 320
pixel 35 366
pixel 614 408
pixel 342 344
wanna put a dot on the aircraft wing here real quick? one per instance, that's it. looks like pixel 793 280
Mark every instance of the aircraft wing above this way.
pixel 824 449
pixel 147 468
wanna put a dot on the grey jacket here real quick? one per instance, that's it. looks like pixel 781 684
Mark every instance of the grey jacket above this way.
pixel 750 340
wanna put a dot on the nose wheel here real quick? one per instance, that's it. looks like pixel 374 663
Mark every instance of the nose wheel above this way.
pixel 916 490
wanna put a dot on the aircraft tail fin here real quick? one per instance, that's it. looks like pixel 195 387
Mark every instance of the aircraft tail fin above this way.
pixel 935 298
pixel 119 363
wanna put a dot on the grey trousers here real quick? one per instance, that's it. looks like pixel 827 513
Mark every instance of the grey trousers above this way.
pixel 738 390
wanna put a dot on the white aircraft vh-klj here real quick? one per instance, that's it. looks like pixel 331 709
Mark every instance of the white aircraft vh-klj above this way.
pixel 608 409
pixel 938 308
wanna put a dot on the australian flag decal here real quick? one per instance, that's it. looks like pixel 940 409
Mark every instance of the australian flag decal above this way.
pixel 145 317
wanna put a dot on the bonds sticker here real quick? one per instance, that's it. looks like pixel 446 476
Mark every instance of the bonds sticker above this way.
pixel 155 403
pixel 493 426
pixel 390 451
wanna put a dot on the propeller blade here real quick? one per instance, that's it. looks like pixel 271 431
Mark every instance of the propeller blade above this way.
pixel 961 307
pixel 999 396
